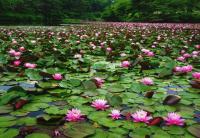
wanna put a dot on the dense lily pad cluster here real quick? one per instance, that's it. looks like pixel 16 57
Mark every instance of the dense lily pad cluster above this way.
pixel 104 80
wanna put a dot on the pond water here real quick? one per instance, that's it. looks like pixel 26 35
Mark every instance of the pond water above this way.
pixel 69 79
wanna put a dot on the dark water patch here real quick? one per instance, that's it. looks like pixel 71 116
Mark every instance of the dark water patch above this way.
pixel 35 113
pixel 26 85
pixel 5 88
pixel 197 116
pixel 173 89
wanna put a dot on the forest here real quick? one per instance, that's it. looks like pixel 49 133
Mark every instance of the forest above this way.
pixel 69 11
pixel 53 12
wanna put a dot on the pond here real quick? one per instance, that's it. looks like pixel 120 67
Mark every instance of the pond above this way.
pixel 100 80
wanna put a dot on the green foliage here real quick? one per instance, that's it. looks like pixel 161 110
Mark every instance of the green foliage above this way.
pixel 154 11
pixel 53 12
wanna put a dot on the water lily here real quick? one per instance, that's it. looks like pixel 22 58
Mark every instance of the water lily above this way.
pixel 14 42
pixel 150 54
pixel 77 56
pixel 21 49
pixel 11 52
pixel 184 69
pixel 146 51
pixel 100 104
pixel 196 75
pixel 181 58
pixel 99 82
pixel 115 114
pixel 30 66
pixel 74 115
pixel 16 62
pixel 125 64
pixel 147 81
pixel 57 76
pixel 109 49
pixel 123 54
pixel 197 46
pixel 57 133
pixel 141 116
pixel 17 54
pixel 186 55
pixel 174 119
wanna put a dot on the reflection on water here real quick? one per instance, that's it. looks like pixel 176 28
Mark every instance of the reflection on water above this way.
pixel 22 84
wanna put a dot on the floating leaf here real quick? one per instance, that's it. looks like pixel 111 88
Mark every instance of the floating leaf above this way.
pixel 38 135
pixel 137 87
pixel 171 100
pixel 33 74
pixel 116 88
pixel 114 100
pixel 89 85
pixel 10 133
pixel 78 130
pixel 194 130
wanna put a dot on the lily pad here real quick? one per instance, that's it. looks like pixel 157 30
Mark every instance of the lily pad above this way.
pixel 194 130
pixel 10 133
pixel 78 130
pixel 38 135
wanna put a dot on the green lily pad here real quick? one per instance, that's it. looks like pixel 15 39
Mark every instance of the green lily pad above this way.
pixel 33 74
pixel 116 88
pixel 89 85
pixel 114 100
pixel 28 121
pixel 38 135
pixel 10 133
pixel 12 93
pixel 6 118
pixel 175 130
pixel 137 87
pixel 47 85
pixel 6 109
pixel 78 130
pixel 194 130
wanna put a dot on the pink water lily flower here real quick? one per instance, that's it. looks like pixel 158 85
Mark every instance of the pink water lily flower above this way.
pixel 197 46
pixel 57 133
pixel 11 52
pixel 57 76
pixel 115 114
pixel 141 116
pixel 108 49
pixel 99 82
pixel 186 69
pixel 14 53
pixel 146 51
pixel 125 64
pixel 16 63
pixel 100 104
pixel 74 115
pixel 77 56
pixel 30 66
pixel 123 54
pixel 14 42
pixel 17 54
pixel 21 49
pixel 147 81
pixel 186 55
pixel 195 52
pixel 174 119
pixel 150 54
pixel 181 58
pixel 196 75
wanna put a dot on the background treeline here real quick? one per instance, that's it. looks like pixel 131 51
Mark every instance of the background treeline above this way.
pixel 52 12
